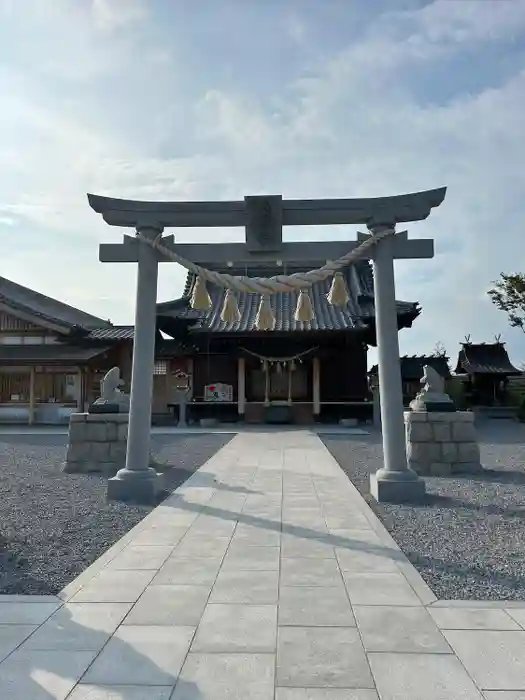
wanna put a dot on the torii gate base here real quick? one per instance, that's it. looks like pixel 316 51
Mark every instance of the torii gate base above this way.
pixel 263 219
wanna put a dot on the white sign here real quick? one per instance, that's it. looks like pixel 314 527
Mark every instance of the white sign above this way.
pixel 218 392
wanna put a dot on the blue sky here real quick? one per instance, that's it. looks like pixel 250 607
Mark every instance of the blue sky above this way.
pixel 200 99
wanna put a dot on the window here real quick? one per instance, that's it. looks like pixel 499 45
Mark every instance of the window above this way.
pixel 161 367
pixel 14 387
pixel 52 387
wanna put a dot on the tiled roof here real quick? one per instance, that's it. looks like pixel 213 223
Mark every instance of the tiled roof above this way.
pixel 112 333
pixel 360 307
pixel 485 358
pixel 412 367
pixel 173 348
pixel 49 353
pixel 18 297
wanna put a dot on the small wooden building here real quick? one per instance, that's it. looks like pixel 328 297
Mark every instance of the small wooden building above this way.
pixel 52 356
pixel 299 372
pixel 412 371
pixel 485 369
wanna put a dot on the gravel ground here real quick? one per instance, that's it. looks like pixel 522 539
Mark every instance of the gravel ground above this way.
pixel 467 539
pixel 54 525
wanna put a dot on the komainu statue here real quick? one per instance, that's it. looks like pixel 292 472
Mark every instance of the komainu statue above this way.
pixel 112 399
pixel 432 396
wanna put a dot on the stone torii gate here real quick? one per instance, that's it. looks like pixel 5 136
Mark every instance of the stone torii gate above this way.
pixel 263 218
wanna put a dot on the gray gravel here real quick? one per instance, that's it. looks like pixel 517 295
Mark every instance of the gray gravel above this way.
pixel 54 525
pixel 467 539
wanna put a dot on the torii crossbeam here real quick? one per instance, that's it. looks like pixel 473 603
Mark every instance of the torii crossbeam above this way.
pixel 263 218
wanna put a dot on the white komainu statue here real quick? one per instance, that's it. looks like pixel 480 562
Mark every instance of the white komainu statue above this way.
pixel 433 390
pixel 432 381
pixel 110 392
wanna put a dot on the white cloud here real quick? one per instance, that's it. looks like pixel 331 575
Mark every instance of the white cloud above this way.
pixel 114 14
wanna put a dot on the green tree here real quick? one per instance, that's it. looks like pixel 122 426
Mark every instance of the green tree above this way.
pixel 508 295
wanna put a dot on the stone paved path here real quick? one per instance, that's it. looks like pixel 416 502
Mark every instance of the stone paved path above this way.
pixel 264 577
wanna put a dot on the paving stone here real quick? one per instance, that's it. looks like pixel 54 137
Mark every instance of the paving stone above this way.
pixel 495 660
pixel 42 675
pixel 399 629
pixel 315 607
pixel 11 636
pixel 244 557
pixel 324 694
pixel 141 557
pixel 256 536
pixel 79 627
pixel 26 613
pixel 517 614
pixel 379 589
pixel 504 695
pixel 160 536
pixel 310 572
pixel 170 605
pixel 197 571
pixel 301 547
pixel 326 657
pixel 207 524
pixel 120 692
pixel 361 561
pixel 473 619
pixel 141 655
pixel 226 677
pixel 233 628
pixel 248 587
pixel 200 546
pixel 114 587
pixel 421 677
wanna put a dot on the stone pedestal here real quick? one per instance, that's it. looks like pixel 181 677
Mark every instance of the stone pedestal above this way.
pixel 442 443
pixel 144 486
pixel 97 443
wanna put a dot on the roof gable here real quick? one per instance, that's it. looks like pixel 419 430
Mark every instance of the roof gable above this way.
pixel 44 311
pixel 485 358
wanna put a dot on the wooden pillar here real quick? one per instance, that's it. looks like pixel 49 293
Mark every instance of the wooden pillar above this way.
pixel 266 383
pixel 80 395
pixel 31 417
pixel 190 368
pixel 241 385
pixel 316 386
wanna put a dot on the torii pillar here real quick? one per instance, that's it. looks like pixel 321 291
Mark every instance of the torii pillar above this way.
pixel 263 218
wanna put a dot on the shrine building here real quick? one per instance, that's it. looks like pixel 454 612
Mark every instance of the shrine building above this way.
pixel 53 356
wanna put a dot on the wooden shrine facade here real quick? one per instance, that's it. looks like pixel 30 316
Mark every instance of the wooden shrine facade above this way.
pixel 300 372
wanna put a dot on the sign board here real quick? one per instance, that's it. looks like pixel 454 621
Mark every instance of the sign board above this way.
pixel 218 392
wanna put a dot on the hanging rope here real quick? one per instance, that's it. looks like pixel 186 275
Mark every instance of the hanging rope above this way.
pixel 265 286
pixel 291 358
pixel 270 285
